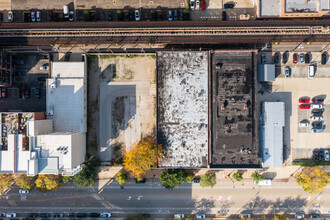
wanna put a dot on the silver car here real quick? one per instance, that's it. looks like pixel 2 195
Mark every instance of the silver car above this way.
pixel 326 155
pixel 317 118
pixel 287 72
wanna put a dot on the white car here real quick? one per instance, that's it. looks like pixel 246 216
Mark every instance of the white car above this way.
pixel 137 15
pixel 197 5
pixel 105 215
pixel 303 124
pixel 44 67
pixel 179 216
pixel 38 16
pixel 317 118
pixel 24 191
pixel 192 4
pixel 11 215
pixel 200 216
pixel 326 155
pixel 33 16
pixel 10 16
pixel 300 215
pixel 246 215
pixel 287 72
pixel 316 106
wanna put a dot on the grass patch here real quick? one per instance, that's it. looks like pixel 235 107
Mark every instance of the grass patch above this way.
pixel 310 163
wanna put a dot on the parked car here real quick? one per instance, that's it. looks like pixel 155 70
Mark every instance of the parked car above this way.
pixel 303 124
pixel 326 155
pixel 3 93
pixel 317 118
pixel 324 58
pixel 317 124
pixel 94 215
pixel 33 215
pixel 110 16
pixel 203 5
pixel 178 215
pixel 200 216
pixel 315 214
pixel 33 16
pixel 71 16
pixel 224 15
pixel 263 58
pixel 285 57
pixel 295 58
pixel 24 191
pixel 45 67
pixel 10 215
pixel 315 154
pixel 105 215
pixel 197 5
pixel 317 130
pixel 303 100
pixel 44 215
pixel 195 181
pixel 71 214
pixel 310 72
pixel 276 58
pixel 38 16
pixel 137 15
pixel 192 4
pixel 228 5
pixel 308 58
pixel 58 215
pixel 37 93
pixel 10 16
pixel 175 15
pixel 265 182
pixel 1 17
pixel 305 106
pixel 170 17
pixel 317 112
pixel 287 72
pixel 317 100
pixel 299 215
pixel 81 215
pixel 316 106
pixel 301 58
pixel 321 154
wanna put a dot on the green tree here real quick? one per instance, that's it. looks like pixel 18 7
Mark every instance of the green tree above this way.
pixel 25 182
pixel 142 157
pixel 47 182
pixel 85 178
pixel 281 217
pixel 121 177
pixel 6 180
pixel 172 178
pixel 208 179
pixel 256 176
pixel 313 179
pixel 66 179
pixel 190 176
pixel 238 176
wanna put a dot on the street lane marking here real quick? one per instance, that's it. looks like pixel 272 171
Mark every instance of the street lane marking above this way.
pixel 139 197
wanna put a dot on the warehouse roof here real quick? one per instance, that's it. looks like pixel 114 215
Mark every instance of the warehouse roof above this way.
pixel 266 72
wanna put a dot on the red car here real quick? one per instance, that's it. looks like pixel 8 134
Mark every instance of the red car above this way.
pixel 305 106
pixel 316 100
pixel 303 100
pixel 295 58
pixel 315 154
pixel 202 5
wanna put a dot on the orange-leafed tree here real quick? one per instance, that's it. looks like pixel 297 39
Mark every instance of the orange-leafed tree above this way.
pixel 6 180
pixel 142 157
pixel 47 182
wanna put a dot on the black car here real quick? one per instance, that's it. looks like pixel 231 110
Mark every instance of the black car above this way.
pixel 317 124
pixel 81 215
pixel 228 5
pixel 317 112
pixel 131 16
pixel 44 215
pixel 110 16
pixel 285 57
pixel 37 93
pixel 321 154
pixel 276 58
pixel 224 16
pixel 307 58
pixel 94 215
pixel 58 215
pixel 71 215
pixel 33 215
pixel 324 58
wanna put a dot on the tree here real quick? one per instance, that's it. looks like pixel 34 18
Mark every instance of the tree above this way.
pixel 312 179
pixel 25 182
pixel 121 177
pixel 6 180
pixel 47 182
pixel 85 178
pixel 190 176
pixel 142 157
pixel 256 176
pixel 281 217
pixel 172 178
pixel 67 179
pixel 238 176
pixel 208 179
pixel 246 218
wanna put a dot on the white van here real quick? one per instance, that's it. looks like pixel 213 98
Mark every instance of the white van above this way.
pixel 66 11
pixel 311 72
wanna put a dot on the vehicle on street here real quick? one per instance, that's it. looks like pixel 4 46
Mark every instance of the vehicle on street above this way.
pixel 38 16
pixel 192 4
pixel 228 5
pixel 10 215
pixel 316 106
pixel 197 5
pixel 45 67
pixel 315 214
pixel 326 155
pixel 24 191
pixel 311 72
pixel 175 15
pixel 170 17
pixel 295 58
pixel 265 182
pixel 105 215
pixel 81 215
pixel 33 215
pixel 303 100
pixel 71 214
pixel 94 215
pixel 71 16
pixel 200 216
pixel 287 72
pixel 263 58
pixel 203 5
pixel 317 118
pixel 299 215
pixel 303 124
pixel 276 58
pixel 58 215
pixel 137 15
pixel 33 16
pixel 317 112
pixel 66 11
pixel 301 58
pixel 308 58
pixel 3 93
pixel 321 154
pixel 44 215
pixel 224 16
pixel 178 215
pixel 10 16
pixel 304 106
pixel 110 16
pixel 324 58
pixel 285 57
pixel 315 154
pixel 317 100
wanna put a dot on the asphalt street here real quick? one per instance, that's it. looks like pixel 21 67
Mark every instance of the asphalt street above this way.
pixel 224 199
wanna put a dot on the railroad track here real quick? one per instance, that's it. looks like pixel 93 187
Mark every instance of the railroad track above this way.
pixel 165 32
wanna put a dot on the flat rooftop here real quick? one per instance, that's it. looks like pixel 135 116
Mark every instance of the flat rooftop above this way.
pixel 233 113
pixel 182 108
pixel 301 6
pixel 66 96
